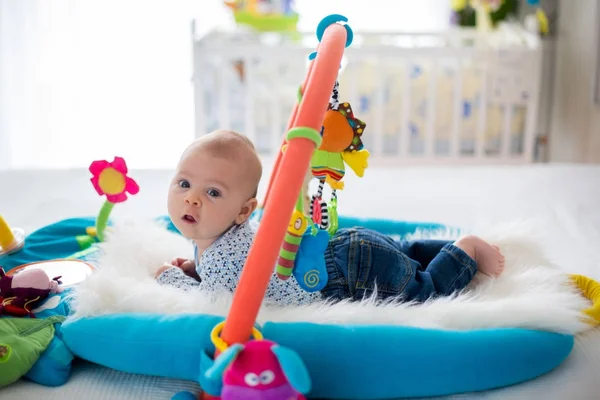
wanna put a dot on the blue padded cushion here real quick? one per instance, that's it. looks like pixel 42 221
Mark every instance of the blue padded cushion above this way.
pixel 151 344
pixel 344 361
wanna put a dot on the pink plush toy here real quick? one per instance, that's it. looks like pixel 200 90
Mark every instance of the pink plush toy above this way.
pixel 261 370
pixel 21 292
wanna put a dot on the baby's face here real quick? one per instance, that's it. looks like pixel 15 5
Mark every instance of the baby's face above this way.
pixel 207 196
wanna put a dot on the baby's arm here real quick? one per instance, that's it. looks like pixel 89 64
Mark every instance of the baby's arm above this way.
pixel 173 276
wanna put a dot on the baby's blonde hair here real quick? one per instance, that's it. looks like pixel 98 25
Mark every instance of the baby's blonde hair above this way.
pixel 232 146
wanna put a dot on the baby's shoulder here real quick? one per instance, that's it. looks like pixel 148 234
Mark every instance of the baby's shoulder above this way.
pixel 240 235
pixel 234 244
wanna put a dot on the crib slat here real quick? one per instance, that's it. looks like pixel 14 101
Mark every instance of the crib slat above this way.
pixel 249 119
pixel 379 110
pixel 276 132
pixel 482 117
pixel 533 102
pixel 506 130
pixel 224 104
pixel 458 111
pixel 431 111
pixel 405 112
pixel 199 93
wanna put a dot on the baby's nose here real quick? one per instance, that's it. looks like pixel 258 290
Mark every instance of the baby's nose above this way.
pixel 192 201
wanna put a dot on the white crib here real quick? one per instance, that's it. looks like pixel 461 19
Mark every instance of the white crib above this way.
pixel 453 97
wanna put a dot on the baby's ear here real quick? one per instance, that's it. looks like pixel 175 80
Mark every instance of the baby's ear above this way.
pixel 247 209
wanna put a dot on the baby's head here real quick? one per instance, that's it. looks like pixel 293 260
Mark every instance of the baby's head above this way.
pixel 214 186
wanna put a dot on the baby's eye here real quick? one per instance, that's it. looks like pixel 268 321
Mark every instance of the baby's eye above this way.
pixel 213 193
pixel 184 184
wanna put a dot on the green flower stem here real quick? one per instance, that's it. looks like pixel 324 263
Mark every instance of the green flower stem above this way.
pixel 102 219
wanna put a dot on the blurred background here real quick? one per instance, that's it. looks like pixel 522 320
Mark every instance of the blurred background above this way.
pixel 436 81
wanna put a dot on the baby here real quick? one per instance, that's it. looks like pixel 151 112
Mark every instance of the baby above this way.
pixel 213 195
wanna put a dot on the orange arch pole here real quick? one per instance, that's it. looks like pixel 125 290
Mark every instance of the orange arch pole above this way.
pixel 285 189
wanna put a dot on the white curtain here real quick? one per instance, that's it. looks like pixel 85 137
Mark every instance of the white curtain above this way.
pixel 89 79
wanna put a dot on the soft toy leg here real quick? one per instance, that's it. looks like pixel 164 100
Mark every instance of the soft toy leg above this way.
pixel 54 365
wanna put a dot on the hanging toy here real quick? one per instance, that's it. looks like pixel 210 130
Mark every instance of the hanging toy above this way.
pixel 341 144
pixel 291 242
pixel 303 251
pixel 310 270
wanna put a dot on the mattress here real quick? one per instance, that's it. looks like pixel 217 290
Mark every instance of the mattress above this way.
pixel 459 196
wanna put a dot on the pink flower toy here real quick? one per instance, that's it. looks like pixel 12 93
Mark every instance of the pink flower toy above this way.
pixel 110 179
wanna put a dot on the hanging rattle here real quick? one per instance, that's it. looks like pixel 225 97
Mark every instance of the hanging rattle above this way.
pixel 291 243
pixel 341 144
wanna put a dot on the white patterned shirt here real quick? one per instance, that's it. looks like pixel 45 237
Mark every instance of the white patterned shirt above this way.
pixel 220 266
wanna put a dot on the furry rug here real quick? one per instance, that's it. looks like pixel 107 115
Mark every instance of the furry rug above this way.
pixel 534 292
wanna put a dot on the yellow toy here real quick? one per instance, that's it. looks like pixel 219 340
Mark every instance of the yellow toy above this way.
pixel 591 290
pixel 11 240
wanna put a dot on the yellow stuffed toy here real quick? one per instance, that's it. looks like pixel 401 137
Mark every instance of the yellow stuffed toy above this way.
pixel 591 290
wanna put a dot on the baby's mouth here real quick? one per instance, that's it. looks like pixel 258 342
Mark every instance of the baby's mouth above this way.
pixel 189 219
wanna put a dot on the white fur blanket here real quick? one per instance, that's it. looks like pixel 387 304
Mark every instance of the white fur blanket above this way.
pixel 534 292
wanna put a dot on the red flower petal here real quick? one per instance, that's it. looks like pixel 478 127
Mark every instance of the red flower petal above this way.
pixel 131 186
pixel 120 165
pixel 95 180
pixel 117 198
pixel 98 166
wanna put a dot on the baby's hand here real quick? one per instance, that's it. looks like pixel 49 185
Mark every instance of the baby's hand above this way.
pixel 178 262
pixel 187 266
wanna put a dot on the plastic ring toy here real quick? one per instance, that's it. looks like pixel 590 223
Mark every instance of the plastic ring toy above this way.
pixel 220 344
pixel 334 19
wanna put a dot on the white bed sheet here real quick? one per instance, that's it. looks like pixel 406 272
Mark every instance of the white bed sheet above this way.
pixel 461 196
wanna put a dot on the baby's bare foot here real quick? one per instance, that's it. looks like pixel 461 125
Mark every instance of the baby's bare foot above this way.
pixel 488 257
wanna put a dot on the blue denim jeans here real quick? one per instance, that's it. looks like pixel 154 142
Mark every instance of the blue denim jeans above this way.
pixel 360 260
